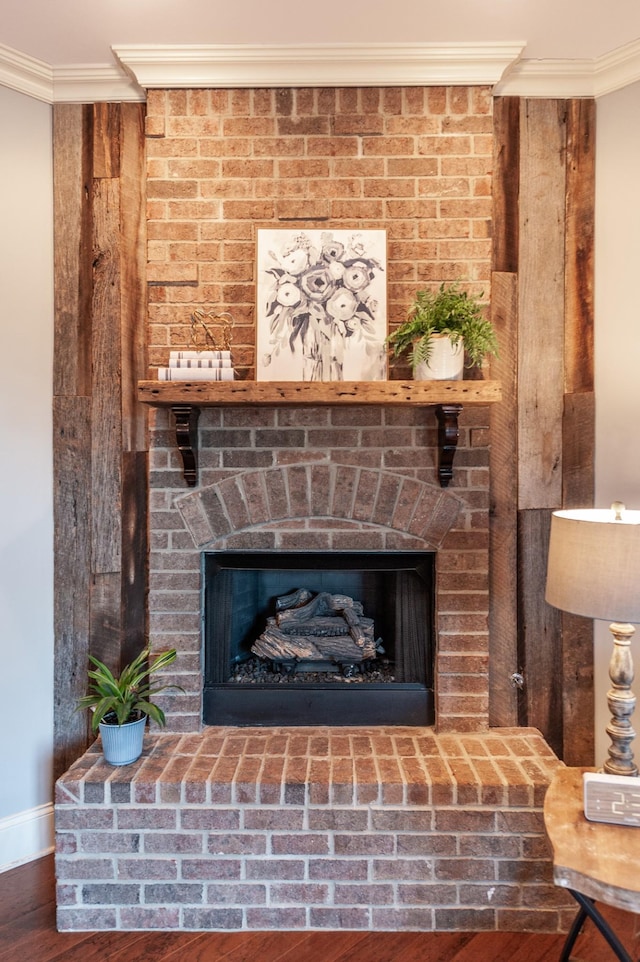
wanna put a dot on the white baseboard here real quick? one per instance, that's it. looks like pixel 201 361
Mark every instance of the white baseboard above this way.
pixel 26 836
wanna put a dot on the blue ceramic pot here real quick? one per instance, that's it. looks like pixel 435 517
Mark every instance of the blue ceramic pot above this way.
pixel 122 744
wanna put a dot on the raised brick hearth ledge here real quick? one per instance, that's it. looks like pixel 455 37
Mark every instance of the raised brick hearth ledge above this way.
pixel 352 828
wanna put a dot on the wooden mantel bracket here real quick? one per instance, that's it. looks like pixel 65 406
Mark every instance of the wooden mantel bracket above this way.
pixel 186 420
pixel 448 434
pixel 186 417
pixel 186 398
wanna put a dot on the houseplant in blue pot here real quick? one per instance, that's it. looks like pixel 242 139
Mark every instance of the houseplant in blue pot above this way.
pixel 122 705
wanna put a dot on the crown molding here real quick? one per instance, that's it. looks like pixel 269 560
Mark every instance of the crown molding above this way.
pixel 617 69
pixel 76 83
pixel 171 66
pixel 26 74
pixel 316 65
pixel 573 78
pixel 79 83
pixel 548 78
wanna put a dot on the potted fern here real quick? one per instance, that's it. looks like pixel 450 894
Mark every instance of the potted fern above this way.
pixel 441 327
pixel 121 705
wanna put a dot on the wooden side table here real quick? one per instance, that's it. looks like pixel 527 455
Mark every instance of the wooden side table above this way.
pixel 594 861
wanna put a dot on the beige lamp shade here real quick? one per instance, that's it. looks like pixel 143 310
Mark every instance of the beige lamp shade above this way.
pixel 593 567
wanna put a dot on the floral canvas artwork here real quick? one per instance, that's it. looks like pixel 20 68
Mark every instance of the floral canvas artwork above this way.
pixel 321 305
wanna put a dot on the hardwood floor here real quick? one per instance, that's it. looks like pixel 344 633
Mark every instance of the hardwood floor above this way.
pixel 28 934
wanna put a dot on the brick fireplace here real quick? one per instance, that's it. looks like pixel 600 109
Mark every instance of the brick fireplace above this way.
pixel 363 828
pixel 375 828
pixel 331 480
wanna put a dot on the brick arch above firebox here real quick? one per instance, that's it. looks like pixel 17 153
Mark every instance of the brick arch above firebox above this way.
pixel 304 501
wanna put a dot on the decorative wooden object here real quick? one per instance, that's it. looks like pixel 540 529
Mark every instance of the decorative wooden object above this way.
pixel 621 702
pixel 594 861
pixel 178 394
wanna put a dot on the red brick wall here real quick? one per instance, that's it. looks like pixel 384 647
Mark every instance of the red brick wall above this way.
pixel 221 163
pixel 246 448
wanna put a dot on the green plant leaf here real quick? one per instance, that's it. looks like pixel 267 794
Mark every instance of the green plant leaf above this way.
pixel 451 311
pixel 131 692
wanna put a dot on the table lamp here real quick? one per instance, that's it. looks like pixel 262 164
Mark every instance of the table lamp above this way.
pixel 593 569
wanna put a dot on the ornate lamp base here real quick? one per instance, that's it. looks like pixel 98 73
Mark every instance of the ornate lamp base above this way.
pixel 621 702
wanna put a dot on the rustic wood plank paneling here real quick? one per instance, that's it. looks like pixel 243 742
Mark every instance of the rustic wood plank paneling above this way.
pixel 506 183
pixel 503 661
pixel 133 286
pixel 579 246
pixel 577 633
pixel 133 348
pixel 106 618
pixel 539 636
pixel 135 479
pixel 71 515
pixel 578 450
pixel 106 140
pixel 578 707
pixel 106 439
pixel 578 447
pixel 541 303
pixel 72 249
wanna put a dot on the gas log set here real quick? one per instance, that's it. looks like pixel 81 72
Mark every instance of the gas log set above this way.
pixel 317 633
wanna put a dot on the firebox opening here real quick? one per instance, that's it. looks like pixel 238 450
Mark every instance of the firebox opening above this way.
pixel 318 639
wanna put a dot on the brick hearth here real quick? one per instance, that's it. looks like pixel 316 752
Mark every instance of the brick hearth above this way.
pixel 381 829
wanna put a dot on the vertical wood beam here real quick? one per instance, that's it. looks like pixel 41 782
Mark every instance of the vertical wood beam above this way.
pixel 100 442
pixel 580 248
pixel 72 174
pixel 541 303
pixel 544 191
pixel 506 184
pixel 540 401
pixel 133 362
pixel 72 170
pixel 539 635
pixel 503 457
pixel 578 432
pixel 72 566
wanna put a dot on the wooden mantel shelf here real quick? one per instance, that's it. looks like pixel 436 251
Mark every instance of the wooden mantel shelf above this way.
pixel 185 398
pixel 224 393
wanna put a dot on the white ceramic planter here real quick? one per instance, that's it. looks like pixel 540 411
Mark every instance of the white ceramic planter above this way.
pixel 446 362
pixel 122 744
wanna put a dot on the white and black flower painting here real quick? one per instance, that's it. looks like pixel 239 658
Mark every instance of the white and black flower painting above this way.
pixel 321 305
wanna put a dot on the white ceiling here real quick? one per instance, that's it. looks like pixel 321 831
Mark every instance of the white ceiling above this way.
pixel 78 32
pixel 73 38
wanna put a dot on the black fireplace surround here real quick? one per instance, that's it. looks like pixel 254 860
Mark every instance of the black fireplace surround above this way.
pixel 395 590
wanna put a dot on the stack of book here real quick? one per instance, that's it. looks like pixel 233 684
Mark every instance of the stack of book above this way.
pixel 198 366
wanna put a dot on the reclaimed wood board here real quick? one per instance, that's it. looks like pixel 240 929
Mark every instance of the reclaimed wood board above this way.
pixel 133 282
pixel 106 433
pixel 71 547
pixel 580 246
pixel 541 303
pixel 539 635
pixel 72 250
pixel 225 393
pixel 503 458
pixel 506 184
